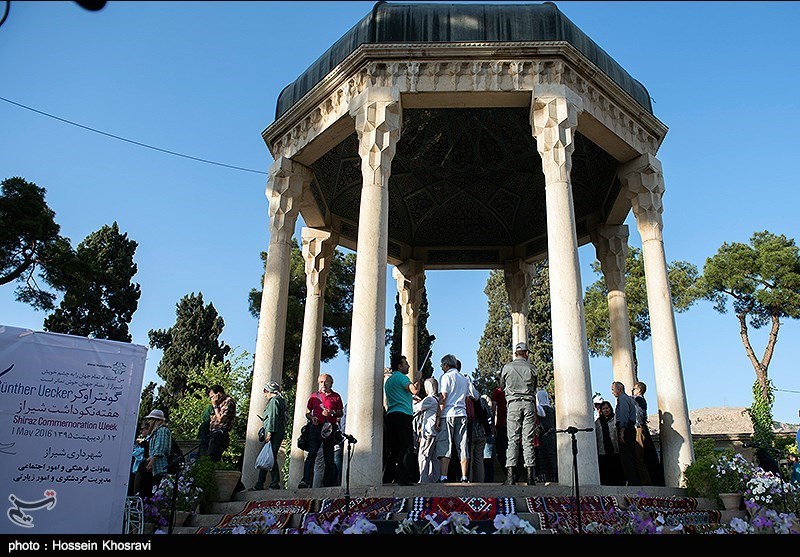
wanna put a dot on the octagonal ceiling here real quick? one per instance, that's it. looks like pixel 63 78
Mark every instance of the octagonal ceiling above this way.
pixel 465 177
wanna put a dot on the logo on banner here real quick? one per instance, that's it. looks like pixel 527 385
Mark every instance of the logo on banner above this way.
pixel 17 515
pixel 118 368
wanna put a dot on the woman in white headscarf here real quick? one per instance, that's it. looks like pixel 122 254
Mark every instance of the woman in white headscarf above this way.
pixel 426 422
pixel 546 456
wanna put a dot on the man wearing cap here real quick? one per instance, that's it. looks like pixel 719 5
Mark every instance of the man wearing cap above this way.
pixel 518 380
pixel 159 448
pixel 274 431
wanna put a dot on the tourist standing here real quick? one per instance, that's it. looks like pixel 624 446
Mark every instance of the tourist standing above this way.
pixel 426 412
pixel 221 422
pixel 324 408
pixel 454 390
pixel 275 415
pixel 518 380
pixel 625 417
pixel 398 427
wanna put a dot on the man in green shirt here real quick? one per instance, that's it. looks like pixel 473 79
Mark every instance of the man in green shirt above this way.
pixel 398 422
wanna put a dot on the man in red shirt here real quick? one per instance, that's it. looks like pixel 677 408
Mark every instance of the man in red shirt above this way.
pixel 324 409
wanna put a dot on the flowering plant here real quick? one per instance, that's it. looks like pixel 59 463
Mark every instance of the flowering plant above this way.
pixel 733 473
pixel 766 521
pixel 512 524
pixel 353 524
pixel 157 506
pixel 633 521
pixel 766 490
pixel 456 523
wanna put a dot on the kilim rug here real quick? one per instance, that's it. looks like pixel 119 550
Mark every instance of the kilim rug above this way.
pixel 568 521
pixel 594 503
pixel 688 518
pixel 476 508
pixel 373 508
pixel 248 517
pixel 662 503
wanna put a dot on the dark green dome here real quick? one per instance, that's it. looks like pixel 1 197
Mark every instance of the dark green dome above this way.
pixel 443 23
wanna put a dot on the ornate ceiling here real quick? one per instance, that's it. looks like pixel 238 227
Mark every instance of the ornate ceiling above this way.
pixel 467 178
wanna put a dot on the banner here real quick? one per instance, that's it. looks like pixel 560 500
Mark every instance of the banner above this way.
pixel 68 418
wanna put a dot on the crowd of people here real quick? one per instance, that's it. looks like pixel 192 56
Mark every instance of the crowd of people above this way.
pixel 434 431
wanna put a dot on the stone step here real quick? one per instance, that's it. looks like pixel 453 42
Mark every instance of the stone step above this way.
pixel 519 493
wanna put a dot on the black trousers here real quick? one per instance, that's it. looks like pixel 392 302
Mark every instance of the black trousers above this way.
pixel 399 433
pixel 627 455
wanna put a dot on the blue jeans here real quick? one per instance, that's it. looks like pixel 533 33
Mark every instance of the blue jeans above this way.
pixel 315 442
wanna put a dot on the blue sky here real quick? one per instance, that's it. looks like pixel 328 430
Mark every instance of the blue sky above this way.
pixel 202 78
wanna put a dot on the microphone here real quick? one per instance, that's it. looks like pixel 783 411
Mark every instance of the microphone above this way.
pixel 349 438
pixel 572 430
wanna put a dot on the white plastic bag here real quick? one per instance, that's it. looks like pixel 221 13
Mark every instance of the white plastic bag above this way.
pixel 265 460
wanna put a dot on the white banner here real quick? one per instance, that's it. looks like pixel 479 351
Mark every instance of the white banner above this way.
pixel 68 418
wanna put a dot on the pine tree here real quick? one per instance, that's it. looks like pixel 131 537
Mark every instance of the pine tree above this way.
pixel 99 298
pixel 683 279
pixel 337 314
pixel 495 349
pixel 189 345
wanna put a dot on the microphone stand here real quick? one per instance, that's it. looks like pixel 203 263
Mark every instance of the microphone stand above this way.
pixel 347 480
pixel 572 430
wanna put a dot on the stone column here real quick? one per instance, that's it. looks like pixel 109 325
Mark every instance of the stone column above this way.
pixel 554 117
pixel 319 247
pixel 611 245
pixel 285 185
pixel 410 277
pixel 644 181
pixel 518 276
pixel 378 117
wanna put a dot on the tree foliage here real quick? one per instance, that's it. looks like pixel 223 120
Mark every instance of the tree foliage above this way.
pixel 191 344
pixel 424 338
pixel 234 374
pixel 337 315
pixel 99 297
pixel 495 349
pixel 683 281
pixel 763 281
pixel 30 244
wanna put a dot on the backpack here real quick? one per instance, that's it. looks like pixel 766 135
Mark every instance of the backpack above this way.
pixel 176 460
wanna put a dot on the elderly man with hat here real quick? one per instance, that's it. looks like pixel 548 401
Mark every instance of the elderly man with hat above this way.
pixel 519 382
pixel 274 431
pixel 160 443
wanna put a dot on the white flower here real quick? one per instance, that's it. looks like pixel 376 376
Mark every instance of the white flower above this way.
pixel 740 526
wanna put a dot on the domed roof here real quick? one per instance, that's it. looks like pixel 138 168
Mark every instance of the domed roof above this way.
pixel 444 23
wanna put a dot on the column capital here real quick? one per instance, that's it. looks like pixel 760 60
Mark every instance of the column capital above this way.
pixel 285 185
pixel 611 246
pixel 318 251
pixel 518 276
pixel 554 118
pixel 378 118
pixel 644 181
pixel 410 277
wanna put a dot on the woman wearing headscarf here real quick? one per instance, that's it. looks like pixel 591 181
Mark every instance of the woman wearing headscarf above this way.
pixel 546 455
pixel 605 430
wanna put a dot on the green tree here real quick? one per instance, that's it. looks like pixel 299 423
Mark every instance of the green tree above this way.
pixel 233 373
pixel 30 243
pixel 683 282
pixel 763 281
pixel 424 338
pixel 495 349
pixel 99 297
pixel 337 314
pixel 191 343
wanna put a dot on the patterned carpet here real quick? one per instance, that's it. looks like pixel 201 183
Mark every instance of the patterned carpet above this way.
pixel 662 503
pixel 282 509
pixel 373 508
pixel 567 504
pixel 476 508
